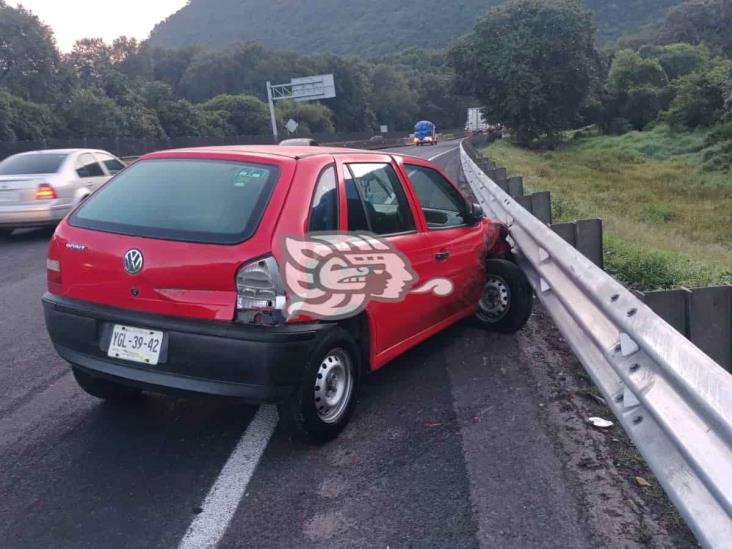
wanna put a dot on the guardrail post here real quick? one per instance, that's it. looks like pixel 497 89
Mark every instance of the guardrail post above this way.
pixel 671 305
pixel 539 204
pixel 497 174
pixel 711 323
pixel 590 240
pixel 516 186
pixel 586 236
pixel 567 231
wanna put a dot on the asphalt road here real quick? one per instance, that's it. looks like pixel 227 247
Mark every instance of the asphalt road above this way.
pixel 469 440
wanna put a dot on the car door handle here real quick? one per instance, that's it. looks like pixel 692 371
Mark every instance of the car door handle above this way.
pixel 442 256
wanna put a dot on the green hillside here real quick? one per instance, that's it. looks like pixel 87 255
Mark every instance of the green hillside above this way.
pixel 363 27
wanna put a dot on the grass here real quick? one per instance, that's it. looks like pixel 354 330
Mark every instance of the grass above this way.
pixel 667 217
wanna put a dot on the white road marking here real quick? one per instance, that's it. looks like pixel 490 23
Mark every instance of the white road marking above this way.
pixel 222 500
pixel 443 153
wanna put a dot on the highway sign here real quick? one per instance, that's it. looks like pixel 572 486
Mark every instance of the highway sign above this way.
pixel 311 88
pixel 291 126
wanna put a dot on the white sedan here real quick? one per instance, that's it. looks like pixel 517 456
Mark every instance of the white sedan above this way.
pixel 39 188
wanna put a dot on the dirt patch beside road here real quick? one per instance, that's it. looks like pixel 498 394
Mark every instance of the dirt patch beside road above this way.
pixel 624 504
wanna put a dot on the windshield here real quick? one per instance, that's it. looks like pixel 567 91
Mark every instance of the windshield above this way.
pixel 191 200
pixel 26 164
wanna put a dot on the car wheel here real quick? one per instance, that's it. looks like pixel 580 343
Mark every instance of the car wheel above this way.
pixel 5 233
pixel 507 298
pixel 103 388
pixel 325 400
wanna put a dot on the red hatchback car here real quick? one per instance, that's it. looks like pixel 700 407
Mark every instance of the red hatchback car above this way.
pixel 271 274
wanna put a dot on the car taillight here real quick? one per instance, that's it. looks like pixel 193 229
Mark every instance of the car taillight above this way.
pixel 53 268
pixel 46 192
pixel 260 294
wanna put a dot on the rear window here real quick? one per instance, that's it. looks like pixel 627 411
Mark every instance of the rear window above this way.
pixel 209 201
pixel 27 164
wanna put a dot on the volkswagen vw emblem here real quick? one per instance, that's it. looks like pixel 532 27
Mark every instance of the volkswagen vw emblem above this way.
pixel 134 261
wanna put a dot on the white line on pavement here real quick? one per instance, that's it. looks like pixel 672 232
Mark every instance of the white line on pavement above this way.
pixel 442 154
pixel 223 499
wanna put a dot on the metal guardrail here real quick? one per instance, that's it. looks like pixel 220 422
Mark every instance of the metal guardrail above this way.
pixel 673 400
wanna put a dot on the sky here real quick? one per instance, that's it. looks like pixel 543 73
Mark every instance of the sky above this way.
pixel 72 20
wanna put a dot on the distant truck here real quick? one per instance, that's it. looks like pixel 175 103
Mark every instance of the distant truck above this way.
pixel 476 123
pixel 425 133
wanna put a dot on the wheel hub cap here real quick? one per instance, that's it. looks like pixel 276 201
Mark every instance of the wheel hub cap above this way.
pixel 333 386
pixel 496 298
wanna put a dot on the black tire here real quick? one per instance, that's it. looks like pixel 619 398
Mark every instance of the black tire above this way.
pixel 507 298
pixel 5 233
pixel 103 388
pixel 299 415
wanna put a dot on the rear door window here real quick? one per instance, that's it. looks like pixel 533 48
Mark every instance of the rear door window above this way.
pixel 87 166
pixel 190 200
pixel 324 209
pixel 112 164
pixel 376 200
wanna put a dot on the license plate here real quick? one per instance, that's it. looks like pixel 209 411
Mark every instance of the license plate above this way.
pixel 135 344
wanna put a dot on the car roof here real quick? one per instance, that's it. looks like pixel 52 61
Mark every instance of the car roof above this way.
pixel 286 151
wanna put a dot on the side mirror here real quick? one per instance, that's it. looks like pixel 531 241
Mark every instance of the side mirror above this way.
pixel 475 214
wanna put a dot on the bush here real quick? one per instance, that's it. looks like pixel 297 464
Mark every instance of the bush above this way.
pixel 246 114
pixel 22 120
pixel 718 155
pixel 311 117
pixel 619 126
pixel 701 97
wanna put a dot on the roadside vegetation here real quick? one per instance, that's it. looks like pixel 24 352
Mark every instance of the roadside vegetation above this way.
pixel 666 216
pixel 137 90
pixel 654 159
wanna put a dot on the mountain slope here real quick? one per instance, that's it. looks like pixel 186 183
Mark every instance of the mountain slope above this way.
pixel 362 27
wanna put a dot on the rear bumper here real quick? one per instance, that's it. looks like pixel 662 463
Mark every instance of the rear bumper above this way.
pixel 253 363
pixel 32 215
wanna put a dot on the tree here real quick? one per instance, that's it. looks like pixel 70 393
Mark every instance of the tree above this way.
pixel 90 60
pixel 352 111
pixel 246 115
pixel 638 89
pixel 393 101
pixel 169 66
pixel 89 113
pixel 139 121
pixel 432 80
pixel 630 71
pixel 699 22
pixel 701 97
pixel 727 90
pixel 21 120
pixel 530 63
pixel 29 61
pixel 131 58
pixel 677 60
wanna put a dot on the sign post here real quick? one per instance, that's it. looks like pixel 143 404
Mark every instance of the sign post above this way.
pixel 272 115
pixel 309 88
